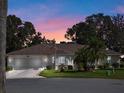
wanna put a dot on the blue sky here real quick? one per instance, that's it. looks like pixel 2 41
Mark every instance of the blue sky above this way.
pixel 53 17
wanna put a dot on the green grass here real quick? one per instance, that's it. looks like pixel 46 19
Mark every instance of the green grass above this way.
pixel 119 74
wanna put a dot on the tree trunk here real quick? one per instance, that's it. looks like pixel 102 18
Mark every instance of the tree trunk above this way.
pixel 3 14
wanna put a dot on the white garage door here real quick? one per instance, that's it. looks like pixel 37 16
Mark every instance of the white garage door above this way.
pixel 28 62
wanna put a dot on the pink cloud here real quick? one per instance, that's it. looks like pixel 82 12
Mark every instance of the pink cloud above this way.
pixel 56 28
pixel 120 9
pixel 57 35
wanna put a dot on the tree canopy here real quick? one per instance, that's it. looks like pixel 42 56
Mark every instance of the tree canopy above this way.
pixel 22 34
pixel 108 28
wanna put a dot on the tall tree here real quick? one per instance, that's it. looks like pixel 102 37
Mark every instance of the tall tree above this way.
pixel 3 14
pixel 118 33
pixel 22 34
pixel 80 33
pixel 13 42
pixel 96 49
pixel 108 28
pixel 102 24
pixel 93 33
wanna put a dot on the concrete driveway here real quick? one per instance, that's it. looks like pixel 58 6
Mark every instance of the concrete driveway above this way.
pixel 28 73
pixel 64 85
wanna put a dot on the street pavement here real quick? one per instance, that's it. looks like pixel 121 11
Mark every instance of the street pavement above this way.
pixel 64 85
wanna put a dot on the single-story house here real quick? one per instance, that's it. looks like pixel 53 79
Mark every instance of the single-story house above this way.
pixel 43 55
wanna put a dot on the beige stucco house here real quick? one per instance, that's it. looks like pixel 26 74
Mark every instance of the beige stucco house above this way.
pixel 43 55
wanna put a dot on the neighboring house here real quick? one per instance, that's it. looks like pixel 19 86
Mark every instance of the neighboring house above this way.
pixel 112 57
pixel 53 55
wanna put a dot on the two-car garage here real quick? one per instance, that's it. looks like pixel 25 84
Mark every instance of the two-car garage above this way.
pixel 26 62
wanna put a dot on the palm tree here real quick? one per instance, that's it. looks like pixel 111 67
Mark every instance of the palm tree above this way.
pixel 3 14
pixel 91 53
pixel 96 49
pixel 81 58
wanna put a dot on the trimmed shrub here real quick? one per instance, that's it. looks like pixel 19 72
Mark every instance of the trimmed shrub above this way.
pixel 80 66
pixel 101 66
pixel 70 67
pixel 122 65
pixel 48 67
pixel 106 65
pixel 62 68
pixel 9 68
pixel 115 65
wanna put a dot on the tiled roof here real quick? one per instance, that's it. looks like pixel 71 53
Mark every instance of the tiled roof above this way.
pixel 48 49
pixel 51 49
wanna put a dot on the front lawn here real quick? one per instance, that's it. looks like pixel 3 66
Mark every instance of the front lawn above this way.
pixel 119 74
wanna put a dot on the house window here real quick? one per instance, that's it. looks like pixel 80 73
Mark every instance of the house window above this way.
pixel 10 60
pixel 53 59
pixel 62 60
pixel 45 59
pixel 109 59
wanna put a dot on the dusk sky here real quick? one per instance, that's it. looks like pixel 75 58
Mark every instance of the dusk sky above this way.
pixel 53 17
